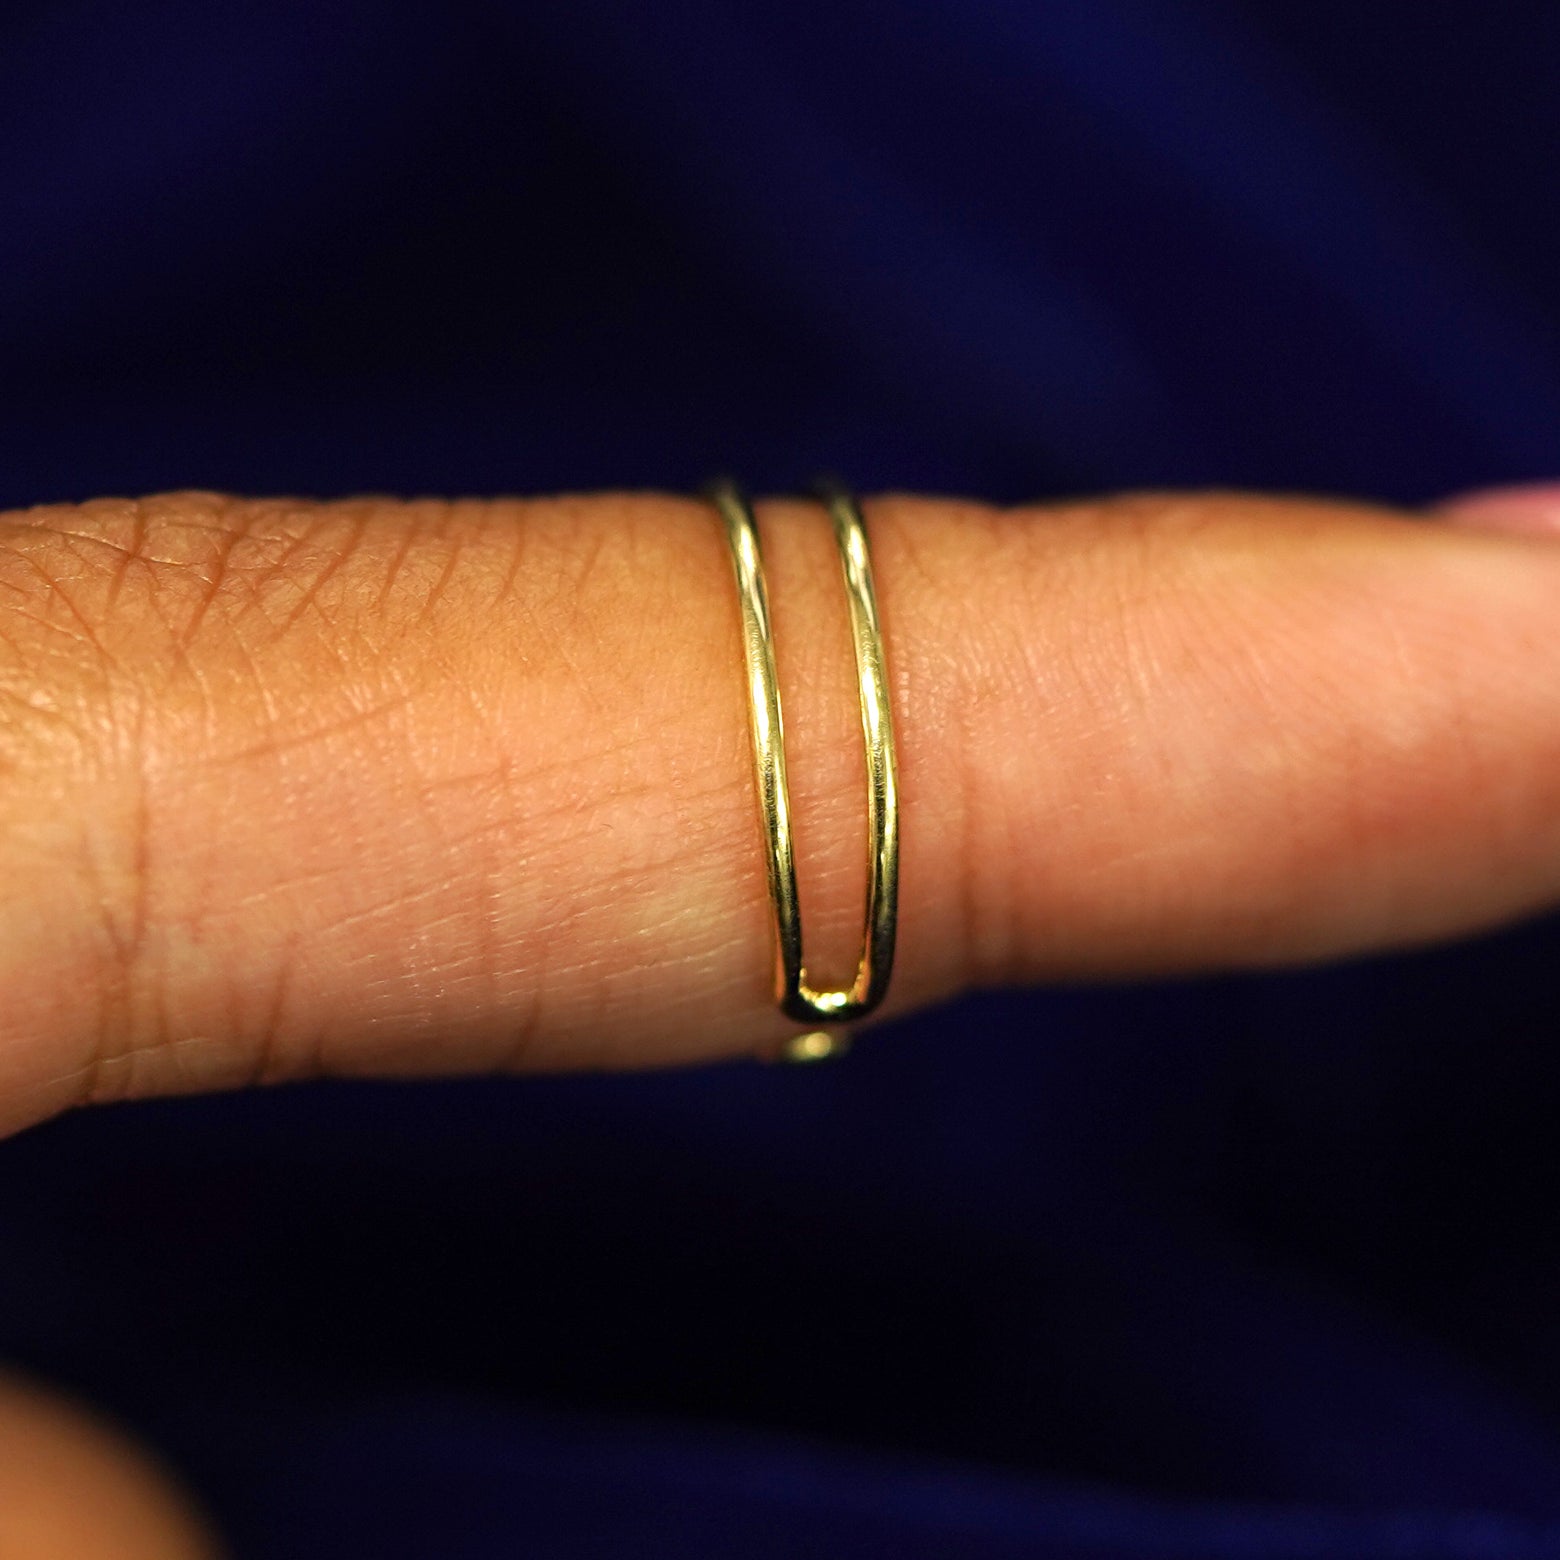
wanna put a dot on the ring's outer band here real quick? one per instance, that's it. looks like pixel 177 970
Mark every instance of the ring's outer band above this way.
pixel 797 999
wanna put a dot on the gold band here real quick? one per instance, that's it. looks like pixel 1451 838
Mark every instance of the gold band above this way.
pixel 797 999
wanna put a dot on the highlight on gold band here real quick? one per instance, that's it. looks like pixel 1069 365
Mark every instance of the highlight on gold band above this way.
pixel 797 998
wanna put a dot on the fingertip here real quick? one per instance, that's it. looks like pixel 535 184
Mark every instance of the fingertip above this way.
pixel 1523 509
pixel 73 1487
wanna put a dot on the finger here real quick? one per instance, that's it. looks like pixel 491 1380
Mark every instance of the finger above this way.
pixel 371 787
pixel 71 1488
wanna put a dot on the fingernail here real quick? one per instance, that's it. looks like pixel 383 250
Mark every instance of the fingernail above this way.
pixel 1531 510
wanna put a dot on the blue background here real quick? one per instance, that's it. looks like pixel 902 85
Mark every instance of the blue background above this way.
pixel 1231 1268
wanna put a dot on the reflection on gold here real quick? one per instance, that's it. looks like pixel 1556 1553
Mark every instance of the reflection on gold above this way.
pixel 817 1045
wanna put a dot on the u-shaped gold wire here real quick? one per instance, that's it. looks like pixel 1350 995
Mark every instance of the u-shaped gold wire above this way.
pixel 796 997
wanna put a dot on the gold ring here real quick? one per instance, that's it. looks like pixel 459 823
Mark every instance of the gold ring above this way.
pixel 797 999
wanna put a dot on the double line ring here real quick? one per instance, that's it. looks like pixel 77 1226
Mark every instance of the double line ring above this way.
pixel 797 998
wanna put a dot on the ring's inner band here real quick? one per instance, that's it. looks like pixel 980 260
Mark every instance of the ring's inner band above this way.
pixel 797 998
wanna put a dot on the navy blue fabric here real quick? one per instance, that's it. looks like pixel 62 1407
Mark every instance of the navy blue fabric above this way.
pixel 1259 1267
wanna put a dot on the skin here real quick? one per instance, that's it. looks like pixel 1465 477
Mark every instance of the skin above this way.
pixel 290 789
pixel 72 1488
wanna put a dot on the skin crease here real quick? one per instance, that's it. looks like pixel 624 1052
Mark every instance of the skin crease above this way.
pixel 290 789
